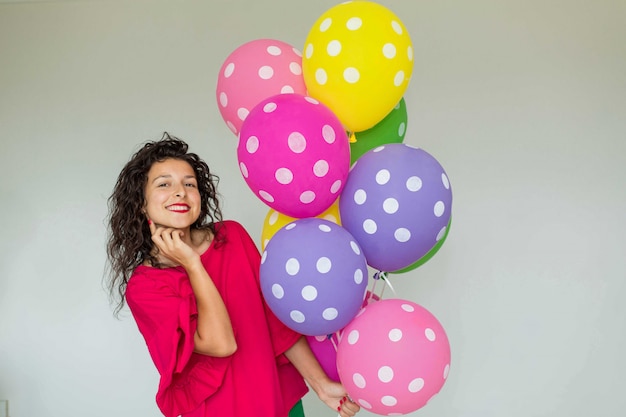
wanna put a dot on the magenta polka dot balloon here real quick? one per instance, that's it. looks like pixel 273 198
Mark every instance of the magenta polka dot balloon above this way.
pixel 393 357
pixel 253 72
pixel 294 154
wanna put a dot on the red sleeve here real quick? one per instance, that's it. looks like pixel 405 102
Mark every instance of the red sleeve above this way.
pixel 282 336
pixel 167 321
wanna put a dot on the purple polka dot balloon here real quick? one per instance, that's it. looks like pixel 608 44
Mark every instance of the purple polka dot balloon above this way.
pixel 396 203
pixel 313 276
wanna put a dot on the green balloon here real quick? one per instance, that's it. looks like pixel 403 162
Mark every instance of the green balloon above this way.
pixel 389 130
pixel 421 261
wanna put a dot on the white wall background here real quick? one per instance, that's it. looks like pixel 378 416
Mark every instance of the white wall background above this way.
pixel 522 101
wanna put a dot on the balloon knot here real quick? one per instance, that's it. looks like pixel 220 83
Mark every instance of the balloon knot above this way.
pixel 352 137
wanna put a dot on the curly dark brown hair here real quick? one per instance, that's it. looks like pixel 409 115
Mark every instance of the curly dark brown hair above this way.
pixel 129 241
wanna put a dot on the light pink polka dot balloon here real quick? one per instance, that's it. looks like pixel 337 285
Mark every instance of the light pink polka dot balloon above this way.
pixel 294 154
pixel 393 357
pixel 253 72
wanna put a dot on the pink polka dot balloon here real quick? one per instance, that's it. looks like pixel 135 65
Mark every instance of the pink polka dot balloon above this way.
pixel 324 350
pixel 393 357
pixel 254 71
pixel 294 154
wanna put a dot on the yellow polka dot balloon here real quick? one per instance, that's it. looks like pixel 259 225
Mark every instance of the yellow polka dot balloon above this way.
pixel 274 221
pixel 358 60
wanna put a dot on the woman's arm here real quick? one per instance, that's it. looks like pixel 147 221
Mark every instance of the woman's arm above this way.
pixel 214 334
pixel 330 392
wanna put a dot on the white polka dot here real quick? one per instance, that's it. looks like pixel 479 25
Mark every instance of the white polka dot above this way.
pixel 242 113
pixel 389 400
pixel 370 226
pixel 445 181
pixel 244 169
pixel 269 107
pixel 278 291
pixel 228 71
pixel 351 75
pixel 274 50
pixel 441 234
pixel 336 186
pixel 309 293
pixel 390 205
pixel 283 175
pixel 295 68
pixel 321 338
pixel 296 142
pixel 323 265
pixel 263 257
pixel 364 404
pixel 287 89
pixel 402 234
pixel 273 218
pixel 330 313
pixel 308 51
pixel 234 129
pixel 292 266
pixel 325 25
pixel 321 77
pixel 398 79
pixel 324 228
pixel 252 144
pixel 266 72
pixel 354 23
pixel 266 196
pixel 307 197
pixel 311 100
pixel 355 247
pixel 409 53
pixel 395 335
pixel 385 374
pixel 328 133
pixel 389 50
pixel 333 48
pixel 383 176
pixel 320 168
pixel 378 149
pixel 430 334
pixel 290 226
pixel 358 380
pixel 265 242
pixel 353 337
pixel 397 27
pixel 360 196
pixel 358 277
pixel 414 184
pixel 224 99
pixel 297 316
pixel 446 371
pixel 439 208
pixel 401 129
pixel 408 308
pixel 416 385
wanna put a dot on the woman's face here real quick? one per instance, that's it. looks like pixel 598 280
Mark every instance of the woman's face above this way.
pixel 171 194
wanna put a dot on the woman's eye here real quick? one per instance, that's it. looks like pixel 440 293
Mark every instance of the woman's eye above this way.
pixel 163 185
pixel 190 185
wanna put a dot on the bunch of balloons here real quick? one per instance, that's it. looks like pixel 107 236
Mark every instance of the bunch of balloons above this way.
pixel 320 142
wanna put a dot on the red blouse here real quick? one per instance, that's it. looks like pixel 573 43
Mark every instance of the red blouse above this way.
pixel 257 380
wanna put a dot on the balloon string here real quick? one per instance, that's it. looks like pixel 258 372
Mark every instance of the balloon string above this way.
pixel 330 336
pixel 386 282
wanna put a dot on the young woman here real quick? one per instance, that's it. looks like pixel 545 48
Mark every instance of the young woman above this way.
pixel 191 281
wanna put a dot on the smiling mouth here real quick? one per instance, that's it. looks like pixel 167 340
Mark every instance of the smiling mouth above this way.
pixel 178 208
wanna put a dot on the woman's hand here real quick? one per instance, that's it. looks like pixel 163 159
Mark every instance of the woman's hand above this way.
pixel 172 245
pixel 334 395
